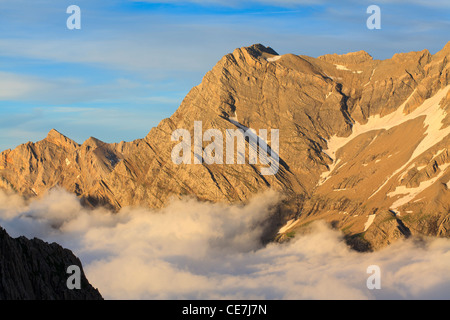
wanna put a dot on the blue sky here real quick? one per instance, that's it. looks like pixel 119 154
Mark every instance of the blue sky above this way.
pixel 132 62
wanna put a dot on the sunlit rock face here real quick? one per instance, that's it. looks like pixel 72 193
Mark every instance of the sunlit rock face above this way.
pixel 363 144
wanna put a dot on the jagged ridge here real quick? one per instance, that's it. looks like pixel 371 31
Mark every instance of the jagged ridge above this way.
pixel 314 102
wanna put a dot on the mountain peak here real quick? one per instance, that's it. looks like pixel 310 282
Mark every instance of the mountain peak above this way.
pixel 361 54
pixel 54 134
pixel 357 57
pixel 256 51
pixel 93 142
pixel 444 52
pixel 339 117
pixel 59 139
pixel 259 48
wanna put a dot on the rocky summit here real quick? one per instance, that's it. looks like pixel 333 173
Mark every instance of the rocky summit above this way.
pixel 363 144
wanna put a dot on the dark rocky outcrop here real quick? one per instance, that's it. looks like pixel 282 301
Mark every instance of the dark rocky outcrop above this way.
pixel 35 270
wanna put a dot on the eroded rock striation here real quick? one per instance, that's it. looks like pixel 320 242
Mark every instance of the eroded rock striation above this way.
pixel 364 144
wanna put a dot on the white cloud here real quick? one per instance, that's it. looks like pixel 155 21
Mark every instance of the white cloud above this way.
pixel 24 87
pixel 201 250
pixel 13 86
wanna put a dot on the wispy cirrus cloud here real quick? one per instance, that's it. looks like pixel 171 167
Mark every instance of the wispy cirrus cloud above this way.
pixel 23 87
pixel 165 47
pixel 13 86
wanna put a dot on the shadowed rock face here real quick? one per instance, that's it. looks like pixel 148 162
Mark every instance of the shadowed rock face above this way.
pixel 35 270
pixel 358 138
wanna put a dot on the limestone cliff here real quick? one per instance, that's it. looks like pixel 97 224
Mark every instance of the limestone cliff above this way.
pixel 363 144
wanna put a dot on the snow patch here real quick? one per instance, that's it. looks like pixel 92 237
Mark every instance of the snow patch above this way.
pixel 341 67
pixel 256 140
pixel 369 222
pixel 326 175
pixel 273 59
pixel 375 138
pixel 370 79
pixel 410 193
pixel 439 153
pixel 430 108
pixel 406 172
pixel 234 117
pixel 344 68
pixel 289 224
pixel 434 116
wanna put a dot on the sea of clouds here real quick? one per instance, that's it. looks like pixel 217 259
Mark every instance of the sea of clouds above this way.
pixel 198 250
